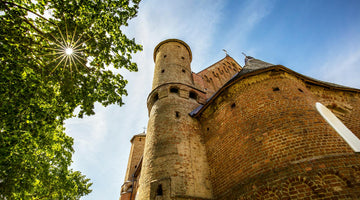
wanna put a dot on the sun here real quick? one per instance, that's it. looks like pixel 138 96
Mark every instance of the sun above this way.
pixel 69 51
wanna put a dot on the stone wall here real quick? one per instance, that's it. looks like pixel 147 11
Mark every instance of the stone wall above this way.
pixel 136 152
pixel 174 163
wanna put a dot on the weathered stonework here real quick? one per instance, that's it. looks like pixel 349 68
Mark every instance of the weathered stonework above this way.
pixel 252 132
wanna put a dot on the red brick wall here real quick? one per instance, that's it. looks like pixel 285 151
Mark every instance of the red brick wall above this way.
pixel 125 196
pixel 215 76
pixel 345 105
pixel 265 138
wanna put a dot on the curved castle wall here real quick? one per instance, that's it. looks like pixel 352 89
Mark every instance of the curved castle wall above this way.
pixel 265 140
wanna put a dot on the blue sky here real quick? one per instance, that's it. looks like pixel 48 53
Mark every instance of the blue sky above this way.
pixel 317 38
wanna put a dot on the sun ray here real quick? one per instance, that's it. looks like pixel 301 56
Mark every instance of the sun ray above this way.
pixel 66 50
pixel 80 57
pixel 67 58
pixel 78 50
pixel 51 54
pixel 76 65
pixel 72 39
pixel 78 39
pixel 73 61
pixel 57 58
pixel 81 63
pixel 76 46
pixel 70 67
pixel 58 64
pixel 67 34
pixel 62 36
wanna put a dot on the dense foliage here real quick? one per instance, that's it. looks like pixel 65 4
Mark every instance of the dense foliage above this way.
pixel 41 85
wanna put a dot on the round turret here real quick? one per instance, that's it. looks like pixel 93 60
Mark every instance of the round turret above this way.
pixel 172 63
pixel 174 161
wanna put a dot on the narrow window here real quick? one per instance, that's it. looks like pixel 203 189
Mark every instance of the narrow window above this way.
pixel 233 105
pixel 155 98
pixel 174 90
pixel 162 71
pixel 276 89
pixel 164 56
pixel 182 57
pixel 159 191
pixel 192 95
pixel 339 127
pixel 183 70
pixel 177 114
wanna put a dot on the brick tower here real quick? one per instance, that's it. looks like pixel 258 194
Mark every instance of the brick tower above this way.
pixel 174 163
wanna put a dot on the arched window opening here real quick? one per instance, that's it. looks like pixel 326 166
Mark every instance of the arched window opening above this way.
pixel 193 95
pixel 174 90
pixel 159 191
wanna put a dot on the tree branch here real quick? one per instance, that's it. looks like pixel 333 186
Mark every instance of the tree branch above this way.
pixel 21 7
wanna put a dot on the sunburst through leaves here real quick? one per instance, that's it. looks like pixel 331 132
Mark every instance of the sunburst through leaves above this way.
pixel 67 49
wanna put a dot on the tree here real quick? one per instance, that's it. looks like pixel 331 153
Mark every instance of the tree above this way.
pixel 55 56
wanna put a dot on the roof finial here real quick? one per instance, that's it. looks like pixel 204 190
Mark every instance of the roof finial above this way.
pixel 225 52
pixel 247 58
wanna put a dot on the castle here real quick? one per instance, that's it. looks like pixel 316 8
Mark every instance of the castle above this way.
pixel 260 131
